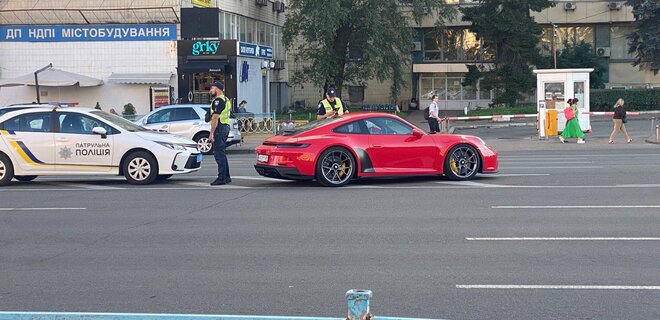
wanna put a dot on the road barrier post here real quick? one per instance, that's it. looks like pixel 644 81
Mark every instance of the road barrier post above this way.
pixel 358 304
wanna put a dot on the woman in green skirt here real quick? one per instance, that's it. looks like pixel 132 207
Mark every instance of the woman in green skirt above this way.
pixel 572 129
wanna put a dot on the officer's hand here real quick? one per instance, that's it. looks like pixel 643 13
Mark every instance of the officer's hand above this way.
pixel 211 137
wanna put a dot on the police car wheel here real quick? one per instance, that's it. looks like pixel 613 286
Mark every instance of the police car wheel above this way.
pixel 25 178
pixel 204 144
pixel 140 168
pixel 6 170
pixel 462 162
pixel 335 167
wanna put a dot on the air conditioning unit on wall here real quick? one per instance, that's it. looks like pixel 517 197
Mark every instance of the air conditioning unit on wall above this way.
pixel 614 5
pixel 417 46
pixel 603 51
pixel 569 6
pixel 262 3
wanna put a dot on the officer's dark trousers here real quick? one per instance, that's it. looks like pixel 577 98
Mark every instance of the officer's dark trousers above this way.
pixel 220 150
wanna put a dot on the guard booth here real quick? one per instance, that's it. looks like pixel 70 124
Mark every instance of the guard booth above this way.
pixel 553 88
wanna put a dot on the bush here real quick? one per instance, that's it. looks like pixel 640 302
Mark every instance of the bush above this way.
pixel 129 110
pixel 636 99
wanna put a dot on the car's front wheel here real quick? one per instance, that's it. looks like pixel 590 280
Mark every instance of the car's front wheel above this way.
pixel 25 178
pixel 204 145
pixel 140 168
pixel 462 163
pixel 6 170
pixel 335 167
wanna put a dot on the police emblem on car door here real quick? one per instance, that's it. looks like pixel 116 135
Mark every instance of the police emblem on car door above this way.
pixel 78 148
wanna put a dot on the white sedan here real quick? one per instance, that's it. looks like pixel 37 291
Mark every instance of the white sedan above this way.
pixel 80 141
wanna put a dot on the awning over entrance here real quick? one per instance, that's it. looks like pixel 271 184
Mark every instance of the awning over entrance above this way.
pixel 140 78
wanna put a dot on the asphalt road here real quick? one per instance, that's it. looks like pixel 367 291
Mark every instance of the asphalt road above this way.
pixel 562 232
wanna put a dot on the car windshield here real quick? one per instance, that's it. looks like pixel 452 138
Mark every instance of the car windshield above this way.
pixel 119 121
pixel 308 126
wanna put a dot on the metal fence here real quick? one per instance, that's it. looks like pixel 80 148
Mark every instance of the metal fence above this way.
pixel 256 122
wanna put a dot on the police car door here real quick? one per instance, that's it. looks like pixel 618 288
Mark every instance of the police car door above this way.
pixel 78 149
pixel 29 139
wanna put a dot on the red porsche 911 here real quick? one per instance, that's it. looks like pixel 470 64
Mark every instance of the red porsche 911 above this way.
pixel 358 145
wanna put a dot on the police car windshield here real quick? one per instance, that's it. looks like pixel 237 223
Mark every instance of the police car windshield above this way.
pixel 119 121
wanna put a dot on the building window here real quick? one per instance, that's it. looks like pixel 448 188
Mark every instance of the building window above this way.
pixel 452 45
pixel 448 86
pixel 356 94
pixel 619 43
pixel 570 35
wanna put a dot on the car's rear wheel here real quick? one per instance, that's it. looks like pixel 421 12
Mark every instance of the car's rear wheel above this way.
pixel 335 167
pixel 25 178
pixel 6 170
pixel 140 168
pixel 204 145
pixel 462 162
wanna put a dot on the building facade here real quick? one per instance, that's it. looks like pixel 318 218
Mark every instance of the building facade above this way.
pixel 440 59
pixel 137 49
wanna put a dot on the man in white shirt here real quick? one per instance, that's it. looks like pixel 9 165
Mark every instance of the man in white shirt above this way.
pixel 434 110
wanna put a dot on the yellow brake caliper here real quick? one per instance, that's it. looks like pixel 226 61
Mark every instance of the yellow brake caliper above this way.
pixel 452 164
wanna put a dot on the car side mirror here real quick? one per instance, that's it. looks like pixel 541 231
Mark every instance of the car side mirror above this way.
pixel 417 133
pixel 100 131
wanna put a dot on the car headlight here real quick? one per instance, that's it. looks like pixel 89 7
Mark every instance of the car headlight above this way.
pixel 173 146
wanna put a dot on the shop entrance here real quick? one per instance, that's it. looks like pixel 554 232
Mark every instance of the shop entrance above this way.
pixel 199 85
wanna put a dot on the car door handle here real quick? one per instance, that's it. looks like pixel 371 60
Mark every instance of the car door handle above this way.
pixel 62 140
pixel 377 146
pixel 13 138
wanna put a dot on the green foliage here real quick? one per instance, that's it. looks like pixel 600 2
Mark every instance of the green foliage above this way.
pixel 636 99
pixel 512 35
pixel 525 109
pixel 97 106
pixel 645 40
pixel 129 109
pixel 582 55
pixel 354 41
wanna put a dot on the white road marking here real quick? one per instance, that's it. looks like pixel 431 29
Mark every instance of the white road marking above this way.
pixel 39 209
pixel 87 186
pixel 561 287
pixel 577 207
pixel 567 239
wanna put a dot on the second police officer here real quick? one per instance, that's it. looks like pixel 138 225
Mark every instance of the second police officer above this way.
pixel 331 105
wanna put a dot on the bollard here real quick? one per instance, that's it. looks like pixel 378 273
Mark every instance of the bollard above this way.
pixel 657 132
pixel 358 304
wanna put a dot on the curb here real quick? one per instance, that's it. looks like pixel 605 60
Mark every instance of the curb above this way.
pixel 242 150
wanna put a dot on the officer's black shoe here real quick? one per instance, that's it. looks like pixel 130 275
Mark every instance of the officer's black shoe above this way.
pixel 218 182
pixel 228 180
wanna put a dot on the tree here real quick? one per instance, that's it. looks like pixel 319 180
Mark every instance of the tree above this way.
pixel 645 40
pixel 511 34
pixel 582 55
pixel 353 41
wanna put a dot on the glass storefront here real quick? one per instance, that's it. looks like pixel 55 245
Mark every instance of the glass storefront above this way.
pixel 233 26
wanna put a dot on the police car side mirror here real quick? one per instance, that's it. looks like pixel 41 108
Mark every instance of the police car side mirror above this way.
pixel 100 131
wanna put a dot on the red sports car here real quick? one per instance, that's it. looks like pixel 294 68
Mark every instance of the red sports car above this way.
pixel 358 145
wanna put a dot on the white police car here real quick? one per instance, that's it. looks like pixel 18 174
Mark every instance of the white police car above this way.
pixel 82 141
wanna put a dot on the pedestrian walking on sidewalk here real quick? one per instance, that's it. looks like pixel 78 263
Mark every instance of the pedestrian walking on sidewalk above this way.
pixel 434 119
pixel 619 119
pixel 572 128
